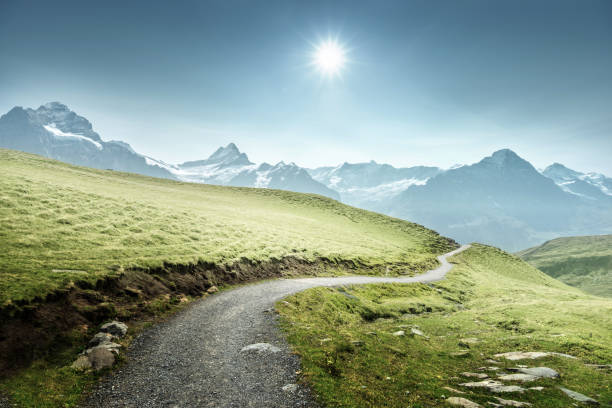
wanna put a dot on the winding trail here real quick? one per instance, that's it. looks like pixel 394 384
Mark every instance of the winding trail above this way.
pixel 195 358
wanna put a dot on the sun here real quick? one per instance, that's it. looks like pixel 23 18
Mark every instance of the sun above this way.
pixel 329 57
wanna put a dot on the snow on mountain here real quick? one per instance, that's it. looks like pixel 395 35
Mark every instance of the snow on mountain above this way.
pixel 369 184
pixel 588 185
pixel 58 133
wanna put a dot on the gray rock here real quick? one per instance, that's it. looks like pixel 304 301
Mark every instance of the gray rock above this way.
pixel 494 386
pixel 101 358
pixel 475 375
pixel 518 377
pixel 399 333
pixel 261 348
pixel 543 372
pixel 100 338
pixel 290 388
pixel 536 388
pixel 115 328
pixel 512 403
pixel 81 363
pixel 578 396
pixel 112 347
pixel 462 402
pixel 460 353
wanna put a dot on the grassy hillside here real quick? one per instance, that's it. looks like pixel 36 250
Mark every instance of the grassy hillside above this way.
pixel 584 262
pixel 490 303
pixel 61 223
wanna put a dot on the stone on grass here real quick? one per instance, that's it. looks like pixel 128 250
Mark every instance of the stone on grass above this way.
pixel 460 353
pixel 578 396
pixel 536 388
pixel 212 289
pixel 261 348
pixel 115 328
pixel 462 402
pixel 416 332
pixel 543 372
pixel 518 377
pixel 531 355
pixel 399 333
pixel 101 358
pixel 512 403
pixel 494 386
pixel 81 363
pixel 112 347
pixel 100 338
pixel 475 375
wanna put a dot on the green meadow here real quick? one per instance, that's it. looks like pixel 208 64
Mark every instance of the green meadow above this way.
pixel 584 262
pixel 491 302
pixel 60 224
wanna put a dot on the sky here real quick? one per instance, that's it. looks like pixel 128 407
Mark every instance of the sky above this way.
pixel 425 82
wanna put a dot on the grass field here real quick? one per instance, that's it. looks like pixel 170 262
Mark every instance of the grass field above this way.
pixel 583 262
pixel 494 300
pixel 61 223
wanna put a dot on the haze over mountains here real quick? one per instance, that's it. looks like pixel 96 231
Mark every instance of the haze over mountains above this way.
pixel 501 200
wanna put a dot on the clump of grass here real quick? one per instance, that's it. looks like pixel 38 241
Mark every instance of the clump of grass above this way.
pixel 61 223
pixel 352 359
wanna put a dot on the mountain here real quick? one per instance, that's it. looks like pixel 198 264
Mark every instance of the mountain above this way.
pixel 56 132
pixel 590 185
pixel 368 185
pixel 584 262
pixel 228 166
pixel 501 200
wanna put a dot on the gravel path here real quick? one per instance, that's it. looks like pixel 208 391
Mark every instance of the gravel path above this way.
pixel 196 360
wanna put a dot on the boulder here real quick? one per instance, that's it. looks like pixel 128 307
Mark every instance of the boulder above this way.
pixel 462 402
pixel 100 338
pixel 518 377
pixel 115 328
pixel 81 363
pixel 512 403
pixel 543 372
pixel 531 355
pixel 578 396
pixel 494 386
pixel 475 375
pixel 399 333
pixel 101 358
pixel 212 289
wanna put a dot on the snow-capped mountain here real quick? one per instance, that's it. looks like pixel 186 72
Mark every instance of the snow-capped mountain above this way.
pixel 55 131
pixel 589 185
pixel 501 200
pixel 228 166
pixel 367 185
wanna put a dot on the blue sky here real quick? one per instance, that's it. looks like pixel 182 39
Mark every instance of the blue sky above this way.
pixel 428 82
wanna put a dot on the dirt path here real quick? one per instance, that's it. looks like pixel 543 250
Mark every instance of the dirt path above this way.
pixel 196 360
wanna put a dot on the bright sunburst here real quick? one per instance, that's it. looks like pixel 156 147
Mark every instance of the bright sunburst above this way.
pixel 329 57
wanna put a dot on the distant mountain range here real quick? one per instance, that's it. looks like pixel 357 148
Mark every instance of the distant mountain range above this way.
pixel 501 200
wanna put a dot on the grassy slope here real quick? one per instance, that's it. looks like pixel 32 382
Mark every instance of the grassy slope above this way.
pixel 584 262
pixel 60 223
pixel 490 295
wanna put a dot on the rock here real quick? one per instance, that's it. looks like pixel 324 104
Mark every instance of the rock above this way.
pixel 417 332
pixel 399 333
pixel 101 358
pixel 488 360
pixel 543 372
pixel 212 289
pixel 325 340
pixel 115 328
pixel 518 377
pixel 531 355
pixel 100 338
pixel 261 348
pixel 475 375
pixel 81 363
pixel 578 396
pixel 453 390
pixel 512 403
pixel 460 353
pixel 494 386
pixel 462 402
pixel 290 388
pixel 357 343
pixel 112 347
pixel 536 388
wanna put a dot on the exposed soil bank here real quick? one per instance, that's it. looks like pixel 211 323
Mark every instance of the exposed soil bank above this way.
pixel 64 318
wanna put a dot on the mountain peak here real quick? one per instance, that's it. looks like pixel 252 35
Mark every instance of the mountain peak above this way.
pixel 226 156
pixel 54 106
pixel 505 158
